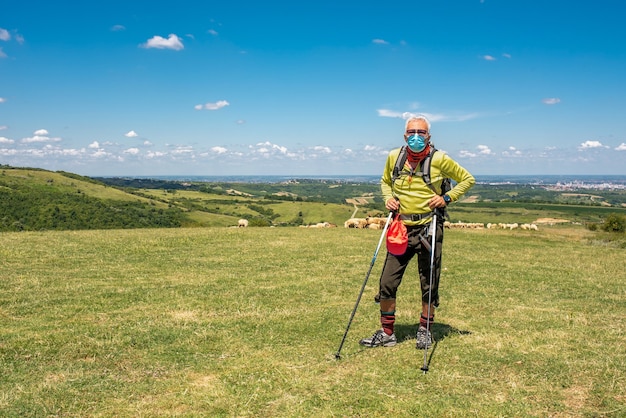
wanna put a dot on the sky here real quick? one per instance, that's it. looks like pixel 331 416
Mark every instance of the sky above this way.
pixel 140 88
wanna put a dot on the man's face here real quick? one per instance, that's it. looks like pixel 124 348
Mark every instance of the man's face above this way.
pixel 418 127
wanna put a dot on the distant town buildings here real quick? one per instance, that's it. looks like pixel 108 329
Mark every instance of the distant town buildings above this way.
pixel 578 185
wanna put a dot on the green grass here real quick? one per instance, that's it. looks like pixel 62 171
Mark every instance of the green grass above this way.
pixel 246 322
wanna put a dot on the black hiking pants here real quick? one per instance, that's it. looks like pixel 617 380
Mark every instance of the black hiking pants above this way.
pixel 395 265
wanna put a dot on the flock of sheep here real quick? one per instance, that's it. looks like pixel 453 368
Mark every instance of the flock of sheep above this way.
pixel 379 223
pixel 372 222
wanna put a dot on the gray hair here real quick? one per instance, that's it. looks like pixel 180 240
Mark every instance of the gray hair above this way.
pixel 417 117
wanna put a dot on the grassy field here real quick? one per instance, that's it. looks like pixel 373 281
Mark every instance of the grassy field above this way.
pixel 246 322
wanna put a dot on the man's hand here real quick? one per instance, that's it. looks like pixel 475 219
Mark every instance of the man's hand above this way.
pixel 392 204
pixel 436 202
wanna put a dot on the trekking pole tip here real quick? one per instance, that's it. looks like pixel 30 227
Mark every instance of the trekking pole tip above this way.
pixel 424 369
pixel 337 356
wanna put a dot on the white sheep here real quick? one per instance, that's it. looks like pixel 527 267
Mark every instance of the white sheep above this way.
pixel 355 223
pixel 243 223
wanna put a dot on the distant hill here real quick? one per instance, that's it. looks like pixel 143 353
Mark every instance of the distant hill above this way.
pixel 34 200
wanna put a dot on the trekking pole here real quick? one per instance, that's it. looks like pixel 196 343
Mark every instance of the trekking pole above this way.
pixel 382 236
pixel 430 287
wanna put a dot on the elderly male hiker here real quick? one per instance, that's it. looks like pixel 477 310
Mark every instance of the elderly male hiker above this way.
pixel 415 189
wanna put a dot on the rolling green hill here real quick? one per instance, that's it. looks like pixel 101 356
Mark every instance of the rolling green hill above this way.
pixel 34 199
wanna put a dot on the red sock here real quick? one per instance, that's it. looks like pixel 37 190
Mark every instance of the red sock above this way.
pixel 427 322
pixel 387 319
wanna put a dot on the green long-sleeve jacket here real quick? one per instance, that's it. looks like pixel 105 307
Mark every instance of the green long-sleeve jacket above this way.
pixel 414 193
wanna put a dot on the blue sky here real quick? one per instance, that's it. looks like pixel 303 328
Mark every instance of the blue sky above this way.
pixel 311 87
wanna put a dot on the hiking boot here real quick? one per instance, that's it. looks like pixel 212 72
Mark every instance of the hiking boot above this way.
pixel 379 338
pixel 424 338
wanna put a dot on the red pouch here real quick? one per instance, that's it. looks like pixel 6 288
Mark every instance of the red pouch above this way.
pixel 397 237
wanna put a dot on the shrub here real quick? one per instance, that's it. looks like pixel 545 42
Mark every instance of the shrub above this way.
pixel 259 222
pixel 592 226
pixel 614 223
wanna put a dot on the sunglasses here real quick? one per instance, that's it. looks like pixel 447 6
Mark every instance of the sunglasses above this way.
pixel 416 131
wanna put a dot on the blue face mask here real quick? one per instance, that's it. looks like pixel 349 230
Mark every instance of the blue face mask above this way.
pixel 416 143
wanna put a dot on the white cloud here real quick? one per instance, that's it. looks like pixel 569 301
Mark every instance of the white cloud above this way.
pixel 4 35
pixel 2 100
pixel 219 150
pixel 158 42
pixel 591 144
pixel 131 134
pixel 507 56
pixel 147 143
pixel 551 100
pixel 466 154
pixel 71 152
pixel 325 150
pixel 4 140
pixel 94 144
pixel 2 54
pixel 100 153
pixel 484 149
pixel 380 42
pixel 512 151
pixel 155 154
pixel 182 150
pixel 266 147
pixel 3 127
pixel 212 32
pixel 5 152
pixel 118 28
pixel 40 135
pixel 621 147
pixel 488 58
pixel 386 113
pixel 433 117
pixel 212 106
pixel 132 151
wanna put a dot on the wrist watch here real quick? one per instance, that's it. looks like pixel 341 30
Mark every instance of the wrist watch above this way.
pixel 447 199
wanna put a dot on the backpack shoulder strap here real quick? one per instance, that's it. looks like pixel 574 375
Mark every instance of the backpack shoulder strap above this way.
pixel 446 185
pixel 426 169
pixel 400 161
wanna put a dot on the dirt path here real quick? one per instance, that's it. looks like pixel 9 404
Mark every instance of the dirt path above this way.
pixel 551 221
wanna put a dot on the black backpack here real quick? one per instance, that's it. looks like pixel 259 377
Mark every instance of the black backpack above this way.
pixel 446 184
